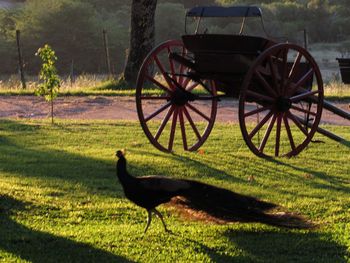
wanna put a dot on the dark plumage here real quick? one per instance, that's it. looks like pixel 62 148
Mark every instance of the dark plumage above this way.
pixel 150 191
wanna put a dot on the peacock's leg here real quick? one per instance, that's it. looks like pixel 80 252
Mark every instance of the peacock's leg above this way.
pixel 161 218
pixel 149 219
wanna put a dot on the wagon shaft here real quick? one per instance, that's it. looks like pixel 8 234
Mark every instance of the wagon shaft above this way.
pixel 346 115
pixel 327 105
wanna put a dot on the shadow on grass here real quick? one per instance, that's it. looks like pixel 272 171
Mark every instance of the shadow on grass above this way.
pixel 20 157
pixel 202 169
pixel 38 246
pixel 273 246
pixel 331 182
pixel 276 246
pixel 23 159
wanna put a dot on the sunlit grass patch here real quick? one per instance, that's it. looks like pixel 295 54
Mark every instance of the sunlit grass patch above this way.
pixel 90 84
pixel 60 199
pixel 336 89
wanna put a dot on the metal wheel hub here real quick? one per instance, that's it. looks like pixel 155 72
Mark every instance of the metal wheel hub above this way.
pixel 180 97
pixel 283 104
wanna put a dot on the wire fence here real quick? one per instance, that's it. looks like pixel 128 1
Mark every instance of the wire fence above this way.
pixel 105 59
pixel 102 58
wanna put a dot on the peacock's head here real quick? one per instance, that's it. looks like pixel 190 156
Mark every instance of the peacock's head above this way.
pixel 120 153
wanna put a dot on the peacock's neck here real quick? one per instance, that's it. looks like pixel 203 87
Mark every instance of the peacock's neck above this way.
pixel 122 174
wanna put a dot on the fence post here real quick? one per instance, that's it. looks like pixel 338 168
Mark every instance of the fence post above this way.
pixel 105 44
pixel 20 59
pixel 305 38
pixel 71 73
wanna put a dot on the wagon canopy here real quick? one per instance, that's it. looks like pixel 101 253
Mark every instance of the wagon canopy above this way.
pixel 220 11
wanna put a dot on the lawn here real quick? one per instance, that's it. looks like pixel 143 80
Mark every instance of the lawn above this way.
pixel 60 200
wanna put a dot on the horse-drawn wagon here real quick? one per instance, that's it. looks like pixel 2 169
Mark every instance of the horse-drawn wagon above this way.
pixel 279 87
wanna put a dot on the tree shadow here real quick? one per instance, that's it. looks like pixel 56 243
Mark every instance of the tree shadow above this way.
pixel 275 246
pixel 202 169
pixel 98 174
pixel 331 182
pixel 38 246
pixel 24 159
pixel 286 246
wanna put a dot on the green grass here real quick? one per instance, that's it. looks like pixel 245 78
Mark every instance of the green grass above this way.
pixel 84 85
pixel 94 85
pixel 60 200
pixel 335 90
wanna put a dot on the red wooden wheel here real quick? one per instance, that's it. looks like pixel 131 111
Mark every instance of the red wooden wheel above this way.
pixel 171 107
pixel 281 101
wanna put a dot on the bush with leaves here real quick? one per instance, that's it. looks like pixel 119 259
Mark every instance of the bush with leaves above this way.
pixel 48 74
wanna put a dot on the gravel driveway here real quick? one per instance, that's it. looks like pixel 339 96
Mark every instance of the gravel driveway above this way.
pixel 113 108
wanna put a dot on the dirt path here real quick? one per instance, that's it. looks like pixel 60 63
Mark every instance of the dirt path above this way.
pixel 113 108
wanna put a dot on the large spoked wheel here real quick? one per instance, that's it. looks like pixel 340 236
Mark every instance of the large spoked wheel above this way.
pixel 281 101
pixel 172 107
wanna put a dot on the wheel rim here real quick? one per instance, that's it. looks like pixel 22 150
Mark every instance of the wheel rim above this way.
pixel 286 86
pixel 172 108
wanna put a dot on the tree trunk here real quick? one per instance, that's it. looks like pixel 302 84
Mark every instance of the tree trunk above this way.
pixel 141 36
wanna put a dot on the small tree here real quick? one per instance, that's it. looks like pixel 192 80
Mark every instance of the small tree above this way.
pixel 48 74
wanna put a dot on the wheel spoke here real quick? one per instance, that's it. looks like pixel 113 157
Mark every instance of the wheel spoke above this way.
pixel 303 110
pixel 258 110
pixel 301 81
pixel 185 82
pixel 267 134
pixel 194 128
pixel 289 132
pixel 303 96
pixel 172 131
pixel 160 85
pixel 273 73
pixel 164 122
pixel 192 87
pixel 297 123
pixel 265 84
pixel 183 130
pixel 294 71
pixel 278 135
pixel 198 112
pixel 171 63
pixel 260 96
pixel 207 88
pixel 182 68
pixel 154 114
pixel 284 69
pixel 165 75
pixel 262 123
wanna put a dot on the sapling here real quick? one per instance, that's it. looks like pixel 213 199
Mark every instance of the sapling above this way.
pixel 48 75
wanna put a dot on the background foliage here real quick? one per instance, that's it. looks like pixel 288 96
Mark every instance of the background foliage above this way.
pixel 74 28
